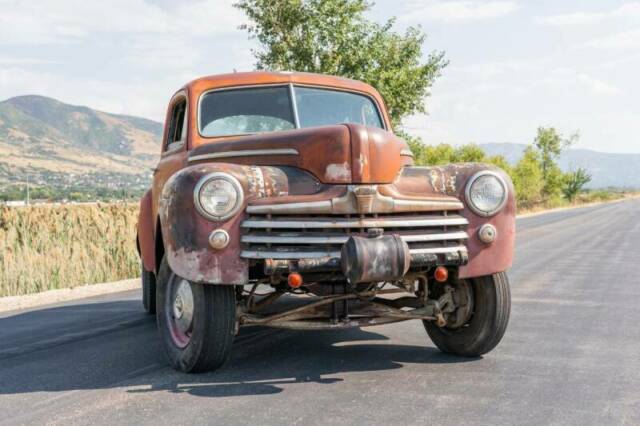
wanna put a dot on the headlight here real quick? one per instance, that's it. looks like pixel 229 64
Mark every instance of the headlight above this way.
pixel 486 193
pixel 218 196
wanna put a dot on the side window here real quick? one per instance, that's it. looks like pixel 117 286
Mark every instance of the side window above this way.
pixel 177 127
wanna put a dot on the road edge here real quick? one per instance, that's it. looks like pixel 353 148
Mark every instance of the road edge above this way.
pixel 50 297
pixel 575 207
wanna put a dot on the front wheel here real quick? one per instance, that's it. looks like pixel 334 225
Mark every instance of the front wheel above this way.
pixel 196 321
pixel 487 322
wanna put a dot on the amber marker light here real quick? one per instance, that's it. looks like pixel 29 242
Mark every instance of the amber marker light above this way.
pixel 441 274
pixel 294 280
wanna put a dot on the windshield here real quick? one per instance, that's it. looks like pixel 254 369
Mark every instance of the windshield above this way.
pixel 269 109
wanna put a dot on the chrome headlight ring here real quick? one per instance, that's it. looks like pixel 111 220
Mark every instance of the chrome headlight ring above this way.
pixel 228 180
pixel 469 194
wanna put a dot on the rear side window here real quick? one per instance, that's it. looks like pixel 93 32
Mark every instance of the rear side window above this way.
pixel 177 126
pixel 244 111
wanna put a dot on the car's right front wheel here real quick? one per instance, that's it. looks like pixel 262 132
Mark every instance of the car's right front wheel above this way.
pixel 196 321
pixel 490 301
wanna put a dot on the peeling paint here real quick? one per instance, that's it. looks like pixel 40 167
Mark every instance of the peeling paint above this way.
pixel 451 184
pixel 338 172
pixel 363 160
pixel 187 264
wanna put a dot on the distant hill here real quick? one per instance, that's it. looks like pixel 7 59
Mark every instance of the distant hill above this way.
pixel 61 144
pixel 607 170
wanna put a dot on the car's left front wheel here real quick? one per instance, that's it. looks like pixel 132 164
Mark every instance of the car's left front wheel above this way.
pixel 196 321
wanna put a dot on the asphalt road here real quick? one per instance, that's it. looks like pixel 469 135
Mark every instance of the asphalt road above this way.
pixel 571 354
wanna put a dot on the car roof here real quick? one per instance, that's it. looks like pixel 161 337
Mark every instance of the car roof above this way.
pixel 281 77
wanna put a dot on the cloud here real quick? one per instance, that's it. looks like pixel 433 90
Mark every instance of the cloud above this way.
pixel 598 87
pixel 626 40
pixel 459 10
pixel 142 100
pixel 570 19
pixel 67 21
pixel 123 56
pixel 25 61
pixel 627 10
pixel 566 78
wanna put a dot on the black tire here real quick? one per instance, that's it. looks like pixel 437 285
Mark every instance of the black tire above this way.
pixel 488 322
pixel 213 326
pixel 148 291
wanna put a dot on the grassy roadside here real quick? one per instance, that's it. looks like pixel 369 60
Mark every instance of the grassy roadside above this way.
pixel 583 199
pixel 49 247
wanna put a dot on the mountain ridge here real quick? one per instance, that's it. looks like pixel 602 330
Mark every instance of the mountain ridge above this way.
pixel 60 144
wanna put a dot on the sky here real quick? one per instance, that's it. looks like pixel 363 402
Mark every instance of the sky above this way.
pixel 514 65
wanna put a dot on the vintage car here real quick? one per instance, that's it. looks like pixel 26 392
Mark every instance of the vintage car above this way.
pixel 283 199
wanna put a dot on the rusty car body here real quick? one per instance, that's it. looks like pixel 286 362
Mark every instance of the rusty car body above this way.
pixel 285 200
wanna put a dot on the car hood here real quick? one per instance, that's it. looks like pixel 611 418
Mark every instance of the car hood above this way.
pixel 337 154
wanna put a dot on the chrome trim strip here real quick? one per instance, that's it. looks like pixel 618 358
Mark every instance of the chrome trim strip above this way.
pixel 337 206
pixel 353 223
pixel 406 153
pixel 323 206
pixel 341 239
pixel 259 254
pixel 435 237
pixel 412 205
pixel 244 153
pixel 439 250
pixel 292 95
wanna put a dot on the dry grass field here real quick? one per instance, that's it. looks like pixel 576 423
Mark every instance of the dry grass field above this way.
pixel 47 247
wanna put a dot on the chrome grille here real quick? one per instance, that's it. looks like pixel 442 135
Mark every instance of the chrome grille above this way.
pixel 270 236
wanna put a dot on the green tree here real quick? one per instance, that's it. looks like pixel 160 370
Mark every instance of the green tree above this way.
pixel 416 146
pixel 469 153
pixel 550 145
pixel 438 154
pixel 527 178
pixel 574 182
pixel 500 161
pixel 334 37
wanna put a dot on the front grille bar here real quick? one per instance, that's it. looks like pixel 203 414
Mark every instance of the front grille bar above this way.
pixel 354 223
pixel 316 254
pixel 293 238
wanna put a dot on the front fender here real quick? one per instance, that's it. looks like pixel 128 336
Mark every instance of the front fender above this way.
pixel 484 259
pixel 186 232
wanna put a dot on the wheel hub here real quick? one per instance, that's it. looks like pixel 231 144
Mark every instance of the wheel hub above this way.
pixel 463 301
pixel 183 306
